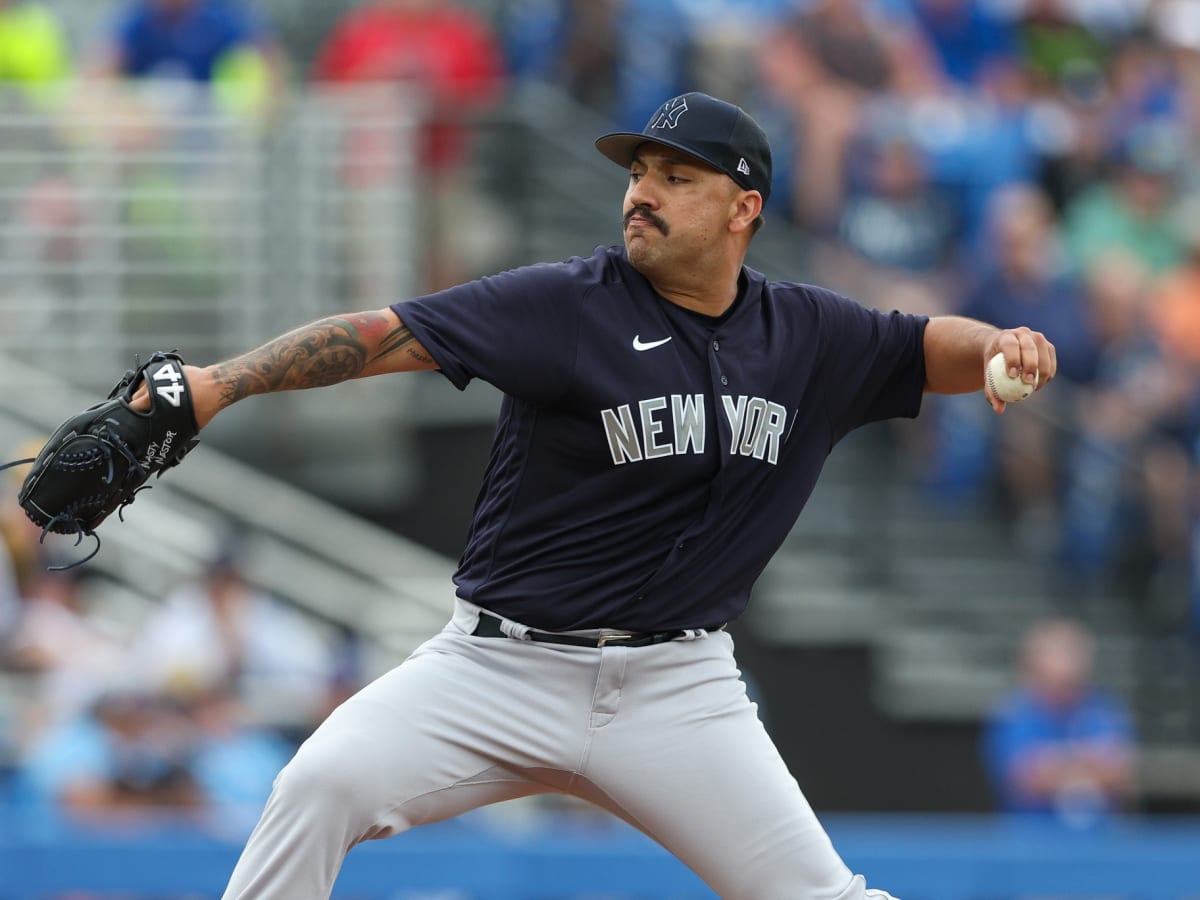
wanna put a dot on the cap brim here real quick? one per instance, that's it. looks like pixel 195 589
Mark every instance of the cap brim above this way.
pixel 621 145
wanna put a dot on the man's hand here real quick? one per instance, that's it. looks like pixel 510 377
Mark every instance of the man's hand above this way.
pixel 96 462
pixel 1027 354
pixel 205 398
pixel 957 351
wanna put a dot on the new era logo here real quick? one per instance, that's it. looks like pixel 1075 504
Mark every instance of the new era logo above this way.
pixel 743 166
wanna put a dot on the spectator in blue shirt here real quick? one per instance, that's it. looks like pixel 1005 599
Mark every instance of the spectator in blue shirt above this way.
pixel 1027 276
pixel 181 38
pixel 1059 747
pixel 124 755
pixel 1024 276
pixel 219 43
pixel 623 56
pixel 972 41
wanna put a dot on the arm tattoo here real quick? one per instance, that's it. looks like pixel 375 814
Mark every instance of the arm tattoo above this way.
pixel 328 351
pixel 399 338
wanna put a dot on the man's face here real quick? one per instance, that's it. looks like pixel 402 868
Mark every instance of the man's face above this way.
pixel 676 208
pixel 1058 663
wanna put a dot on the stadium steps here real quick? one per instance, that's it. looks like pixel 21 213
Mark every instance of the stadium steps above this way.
pixel 872 560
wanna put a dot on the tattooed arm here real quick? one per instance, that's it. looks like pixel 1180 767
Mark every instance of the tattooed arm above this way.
pixel 328 351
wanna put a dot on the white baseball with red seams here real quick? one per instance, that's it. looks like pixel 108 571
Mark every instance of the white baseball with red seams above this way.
pixel 1003 386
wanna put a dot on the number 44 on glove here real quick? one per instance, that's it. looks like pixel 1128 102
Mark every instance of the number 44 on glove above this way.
pixel 98 460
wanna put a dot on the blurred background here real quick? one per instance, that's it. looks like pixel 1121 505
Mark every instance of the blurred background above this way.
pixel 979 651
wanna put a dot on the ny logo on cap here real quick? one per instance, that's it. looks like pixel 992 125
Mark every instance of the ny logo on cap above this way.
pixel 668 115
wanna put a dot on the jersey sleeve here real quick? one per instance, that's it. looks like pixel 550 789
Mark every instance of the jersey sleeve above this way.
pixel 874 362
pixel 517 330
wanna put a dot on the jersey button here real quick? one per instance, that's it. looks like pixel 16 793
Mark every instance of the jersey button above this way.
pixel 679 546
pixel 716 345
pixel 724 380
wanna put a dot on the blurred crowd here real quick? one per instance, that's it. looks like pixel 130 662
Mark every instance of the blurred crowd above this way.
pixel 1020 161
pixel 121 706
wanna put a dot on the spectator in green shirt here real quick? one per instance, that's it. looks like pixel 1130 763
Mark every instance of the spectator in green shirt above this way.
pixel 33 48
pixel 1133 211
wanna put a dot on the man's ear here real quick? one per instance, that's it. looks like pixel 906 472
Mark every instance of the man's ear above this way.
pixel 746 208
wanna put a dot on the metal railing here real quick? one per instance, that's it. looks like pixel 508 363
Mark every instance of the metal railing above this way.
pixel 140 217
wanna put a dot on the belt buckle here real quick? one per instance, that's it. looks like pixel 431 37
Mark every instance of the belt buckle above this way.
pixel 605 638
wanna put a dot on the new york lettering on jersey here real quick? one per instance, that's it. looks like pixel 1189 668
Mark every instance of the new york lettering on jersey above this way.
pixel 675 425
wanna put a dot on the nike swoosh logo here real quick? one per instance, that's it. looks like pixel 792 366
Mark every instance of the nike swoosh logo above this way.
pixel 649 345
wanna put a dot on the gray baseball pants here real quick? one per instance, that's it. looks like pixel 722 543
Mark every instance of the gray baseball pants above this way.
pixel 662 736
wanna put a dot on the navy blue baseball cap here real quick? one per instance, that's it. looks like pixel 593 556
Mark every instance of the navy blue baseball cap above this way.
pixel 719 133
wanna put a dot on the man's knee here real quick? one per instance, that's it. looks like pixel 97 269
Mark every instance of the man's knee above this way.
pixel 320 778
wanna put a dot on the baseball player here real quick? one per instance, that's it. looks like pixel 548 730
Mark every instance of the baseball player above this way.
pixel 666 414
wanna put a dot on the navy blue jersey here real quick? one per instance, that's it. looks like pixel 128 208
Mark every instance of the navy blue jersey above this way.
pixel 648 461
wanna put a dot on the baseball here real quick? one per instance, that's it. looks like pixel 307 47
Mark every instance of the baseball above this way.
pixel 1003 386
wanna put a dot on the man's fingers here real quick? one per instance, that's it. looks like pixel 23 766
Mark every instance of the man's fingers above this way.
pixel 141 398
pixel 1021 354
pixel 1027 355
pixel 1047 364
pixel 1008 343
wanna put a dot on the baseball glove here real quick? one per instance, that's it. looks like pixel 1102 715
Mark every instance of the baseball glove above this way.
pixel 97 461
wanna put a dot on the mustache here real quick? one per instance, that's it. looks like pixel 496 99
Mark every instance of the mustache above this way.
pixel 646 214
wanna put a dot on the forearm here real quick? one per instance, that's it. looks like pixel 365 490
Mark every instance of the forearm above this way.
pixel 326 352
pixel 1045 773
pixel 956 350
pixel 1110 767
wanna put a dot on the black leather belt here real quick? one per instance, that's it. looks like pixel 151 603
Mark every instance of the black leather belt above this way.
pixel 489 626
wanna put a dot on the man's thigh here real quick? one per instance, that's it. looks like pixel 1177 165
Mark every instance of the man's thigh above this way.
pixel 687 760
pixel 443 733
